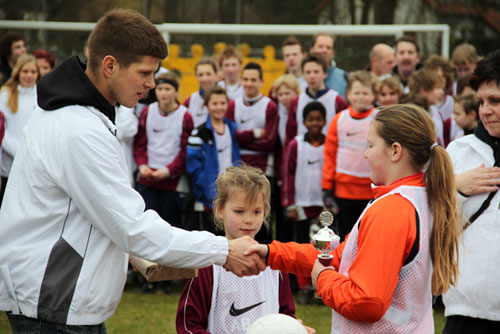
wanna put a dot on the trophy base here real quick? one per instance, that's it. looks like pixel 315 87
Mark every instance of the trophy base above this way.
pixel 325 259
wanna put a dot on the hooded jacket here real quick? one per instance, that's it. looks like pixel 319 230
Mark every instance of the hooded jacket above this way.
pixel 70 216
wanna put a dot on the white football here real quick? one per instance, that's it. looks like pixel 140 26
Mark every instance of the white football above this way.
pixel 276 324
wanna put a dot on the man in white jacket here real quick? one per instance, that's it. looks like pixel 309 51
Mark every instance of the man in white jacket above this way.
pixel 70 216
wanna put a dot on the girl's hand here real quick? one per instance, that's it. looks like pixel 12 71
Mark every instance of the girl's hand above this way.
pixel 259 249
pixel 317 269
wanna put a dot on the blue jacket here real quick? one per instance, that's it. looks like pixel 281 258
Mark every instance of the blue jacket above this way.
pixel 337 80
pixel 202 163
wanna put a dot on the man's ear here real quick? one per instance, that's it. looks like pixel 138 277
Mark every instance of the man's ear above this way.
pixel 109 65
pixel 396 152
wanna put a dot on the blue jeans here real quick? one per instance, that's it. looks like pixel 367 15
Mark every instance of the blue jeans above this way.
pixel 24 325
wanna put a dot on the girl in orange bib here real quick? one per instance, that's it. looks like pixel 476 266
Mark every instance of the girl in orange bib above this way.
pixel 403 247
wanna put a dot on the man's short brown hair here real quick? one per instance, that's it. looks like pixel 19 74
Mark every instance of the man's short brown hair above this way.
pixel 126 35
pixel 292 40
pixel 315 58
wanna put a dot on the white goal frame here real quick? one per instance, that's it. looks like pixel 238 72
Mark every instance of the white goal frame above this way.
pixel 167 29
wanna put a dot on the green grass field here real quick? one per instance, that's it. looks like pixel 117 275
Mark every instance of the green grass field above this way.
pixel 150 314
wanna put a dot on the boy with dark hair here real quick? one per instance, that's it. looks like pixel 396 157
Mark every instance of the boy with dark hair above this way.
pixel 256 117
pixel 301 190
pixel 314 68
pixel 70 217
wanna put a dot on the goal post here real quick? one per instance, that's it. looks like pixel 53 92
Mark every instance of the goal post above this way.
pixel 168 29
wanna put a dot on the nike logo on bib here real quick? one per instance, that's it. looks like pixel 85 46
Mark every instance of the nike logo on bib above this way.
pixel 309 162
pixel 348 134
pixel 245 120
pixel 236 312
pixel 157 130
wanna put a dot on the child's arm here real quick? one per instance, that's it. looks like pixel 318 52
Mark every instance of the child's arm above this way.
pixel 195 163
pixel 178 166
pixel 194 304
pixel 140 147
pixel 264 142
pixel 288 184
pixel 287 305
pixel 340 104
pixel 230 111
pixel 330 154
pixel 292 257
pixel 291 123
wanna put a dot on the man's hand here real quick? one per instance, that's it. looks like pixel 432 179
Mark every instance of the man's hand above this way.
pixel 145 171
pixel 161 173
pixel 329 202
pixel 318 267
pixel 478 180
pixel 240 264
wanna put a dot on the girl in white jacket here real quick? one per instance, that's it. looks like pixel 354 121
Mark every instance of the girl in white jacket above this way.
pixel 17 102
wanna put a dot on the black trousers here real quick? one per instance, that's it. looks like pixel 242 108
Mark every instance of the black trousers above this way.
pixel 458 324
pixel 350 210
pixel 168 204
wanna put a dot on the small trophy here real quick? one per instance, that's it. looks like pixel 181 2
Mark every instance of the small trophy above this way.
pixel 325 240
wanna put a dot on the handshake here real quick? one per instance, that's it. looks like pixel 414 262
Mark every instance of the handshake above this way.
pixel 246 257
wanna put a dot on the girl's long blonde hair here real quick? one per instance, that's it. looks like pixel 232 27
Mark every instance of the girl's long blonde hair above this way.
pixel 13 82
pixel 413 128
